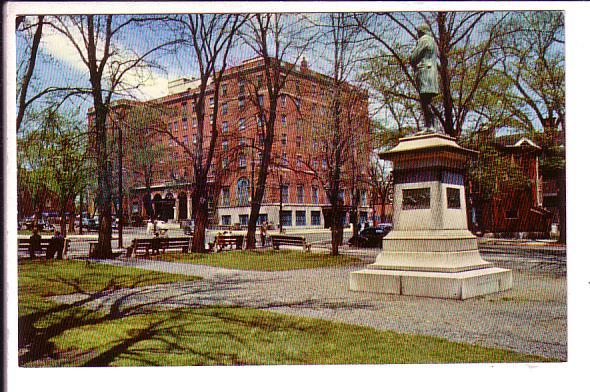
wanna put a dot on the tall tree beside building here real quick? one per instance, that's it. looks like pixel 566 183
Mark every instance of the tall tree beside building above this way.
pixel 112 69
pixel 275 38
pixel 211 37
pixel 533 61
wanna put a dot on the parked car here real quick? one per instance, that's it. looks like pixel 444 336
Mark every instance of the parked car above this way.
pixel 90 223
pixel 386 227
pixel 29 222
pixel 371 237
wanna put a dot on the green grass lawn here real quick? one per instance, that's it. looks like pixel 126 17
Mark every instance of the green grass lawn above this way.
pixel 54 334
pixel 262 260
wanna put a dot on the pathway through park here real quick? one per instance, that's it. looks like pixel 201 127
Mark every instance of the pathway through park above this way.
pixel 531 318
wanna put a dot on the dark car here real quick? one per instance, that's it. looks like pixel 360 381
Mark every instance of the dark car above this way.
pixel 371 237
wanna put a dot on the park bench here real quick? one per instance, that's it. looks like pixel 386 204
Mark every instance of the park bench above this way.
pixel 221 241
pixel 182 243
pixel 142 244
pixel 278 240
pixel 24 245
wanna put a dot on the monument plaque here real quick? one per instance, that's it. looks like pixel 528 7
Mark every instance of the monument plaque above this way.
pixel 416 199
pixel 453 198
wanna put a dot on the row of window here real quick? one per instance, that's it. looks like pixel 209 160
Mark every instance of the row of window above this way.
pixel 286 219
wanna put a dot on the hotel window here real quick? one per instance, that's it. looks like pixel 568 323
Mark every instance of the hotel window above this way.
pixel 185 140
pixel 286 218
pixel 284 139
pixel 314 143
pixel 300 194
pixel 175 126
pixel 316 219
pixel 224 90
pixel 259 120
pixel 315 195
pixel 341 195
pixel 284 193
pixel 297 87
pixel 298 104
pixel 300 218
pixel 260 139
pixel 224 127
pixel 283 100
pixel 194 138
pixel 170 142
pixel 242 161
pixel 299 161
pixel 284 120
pixel 363 197
pixel 194 122
pixel 241 103
pixel 284 159
pixel 225 163
pixel 184 124
pixel 314 163
pixel 224 108
pixel 261 100
pixel 226 220
pixel 184 109
pixel 299 124
pixel 210 119
pixel 194 106
pixel 224 145
pixel 241 87
pixel 170 127
pixel 242 141
pixel 259 80
pixel 211 102
pixel 324 164
pixel 242 124
pixel 225 196
pixel 243 192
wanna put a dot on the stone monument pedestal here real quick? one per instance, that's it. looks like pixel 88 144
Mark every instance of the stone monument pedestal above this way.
pixel 430 252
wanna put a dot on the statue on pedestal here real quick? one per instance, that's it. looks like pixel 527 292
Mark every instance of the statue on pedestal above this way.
pixel 425 64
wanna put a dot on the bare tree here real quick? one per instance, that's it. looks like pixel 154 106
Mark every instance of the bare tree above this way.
pixel 112 70
pixel 211 37
pixel 275 38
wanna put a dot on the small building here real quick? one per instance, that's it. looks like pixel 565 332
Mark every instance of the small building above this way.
pixel 513 213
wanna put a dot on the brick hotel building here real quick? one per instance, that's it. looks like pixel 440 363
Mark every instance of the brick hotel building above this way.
pixel 294 195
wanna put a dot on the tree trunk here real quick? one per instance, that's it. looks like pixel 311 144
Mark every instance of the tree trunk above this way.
pixel 443 48
pixel 200 212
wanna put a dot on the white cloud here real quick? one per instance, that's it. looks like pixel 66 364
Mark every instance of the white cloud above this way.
pixel 150 84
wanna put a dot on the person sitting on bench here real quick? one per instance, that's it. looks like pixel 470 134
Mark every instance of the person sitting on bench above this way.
pixel 35 243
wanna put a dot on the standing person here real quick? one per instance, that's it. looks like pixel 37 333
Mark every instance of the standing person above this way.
pixel 35 243
pixel 263 231
pixel 56 245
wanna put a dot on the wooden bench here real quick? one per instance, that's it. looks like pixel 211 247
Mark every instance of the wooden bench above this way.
pixel 182 243
pixel 222 241
pixel 278 240
pixel 24 245
pixel 142 244
pixel 155 245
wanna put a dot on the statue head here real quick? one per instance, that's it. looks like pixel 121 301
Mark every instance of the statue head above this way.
pixel 423 29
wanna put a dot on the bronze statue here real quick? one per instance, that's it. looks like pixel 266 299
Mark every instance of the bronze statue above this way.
pixel 424 62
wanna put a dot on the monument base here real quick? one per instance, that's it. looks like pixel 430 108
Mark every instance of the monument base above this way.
pixel 452 285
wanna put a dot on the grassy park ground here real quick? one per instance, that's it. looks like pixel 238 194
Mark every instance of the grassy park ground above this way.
pixel 262 260
pixel 53 333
